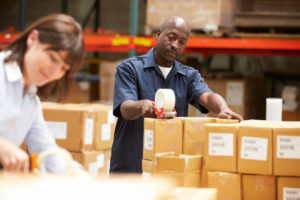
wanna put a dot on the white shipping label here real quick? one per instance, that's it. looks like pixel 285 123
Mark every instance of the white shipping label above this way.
pixel 100 160
pixel 220 144
pixel 148 139
pixel 58 129
pixel 105 132
pixel 110 117
pixel 234 93
pixel 288 147
pixel 254 148
pixel 291 193
pixel 93 169
pixel 89 131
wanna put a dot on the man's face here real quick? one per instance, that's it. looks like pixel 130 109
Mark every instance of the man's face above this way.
pixel 171 42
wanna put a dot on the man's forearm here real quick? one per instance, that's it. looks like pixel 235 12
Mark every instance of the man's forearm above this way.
pixel 213 102
pixel 132 110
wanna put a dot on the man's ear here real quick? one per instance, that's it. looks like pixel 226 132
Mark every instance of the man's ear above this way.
pixel 158 34
pixel 32 38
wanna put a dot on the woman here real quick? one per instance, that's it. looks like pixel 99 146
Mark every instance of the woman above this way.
pixel 51 49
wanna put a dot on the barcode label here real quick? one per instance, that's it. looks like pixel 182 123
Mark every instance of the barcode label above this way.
pixel 148 140
pixel 220 144
pixel 253 148
pixel 291 193
pixel 288 147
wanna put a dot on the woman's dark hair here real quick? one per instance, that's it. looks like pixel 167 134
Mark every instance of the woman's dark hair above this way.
pixel 60 32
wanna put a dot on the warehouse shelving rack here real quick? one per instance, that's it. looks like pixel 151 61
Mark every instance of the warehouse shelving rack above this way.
pixel 202 45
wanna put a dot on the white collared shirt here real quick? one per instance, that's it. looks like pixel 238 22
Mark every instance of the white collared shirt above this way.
pixel 21 116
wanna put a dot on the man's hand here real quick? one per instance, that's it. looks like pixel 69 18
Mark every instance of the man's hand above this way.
pixel 132 110
pixel 147 109
pixel 12 158
pixel 228 114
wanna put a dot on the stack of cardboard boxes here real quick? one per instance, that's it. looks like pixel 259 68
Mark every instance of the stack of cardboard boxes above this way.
pixel 85 130
pixel 258 159
pixel 255 159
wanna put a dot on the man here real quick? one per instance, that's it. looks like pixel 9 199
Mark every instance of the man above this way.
pixel 138 79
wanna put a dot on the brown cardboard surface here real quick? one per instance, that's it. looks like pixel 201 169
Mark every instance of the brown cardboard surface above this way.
pixel 162 135
pixel 253 164
pixel 193 134
pixel 221 152
pixel 259 187
pixel 181 163
pixel 229 185
pixel 288 187
pixel 286 149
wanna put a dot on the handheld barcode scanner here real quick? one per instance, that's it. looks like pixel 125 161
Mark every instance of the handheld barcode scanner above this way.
pixel 164 105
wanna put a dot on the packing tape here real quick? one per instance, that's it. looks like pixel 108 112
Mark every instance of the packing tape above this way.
pixel 165 98
pixel 59 152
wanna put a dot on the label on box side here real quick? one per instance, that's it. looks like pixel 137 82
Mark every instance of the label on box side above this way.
pixel 220 144
pixel 148 139
pixel 288 147
pixel 234 93
pixel 291 193
pixel 105 132
pixel 58 129
pixel 93 169
pixel 254 148
pixel 100 160
pixel 110 117
pixel 89 131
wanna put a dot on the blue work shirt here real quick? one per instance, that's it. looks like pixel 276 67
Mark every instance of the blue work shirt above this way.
pixel 139 78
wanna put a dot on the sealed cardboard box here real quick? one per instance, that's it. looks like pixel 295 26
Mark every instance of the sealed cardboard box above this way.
pixel 104 126
pixel 288 188
pixel 92 161
pixel 162 135
pixel 259 187
pixel 255 149
pixel 71 125
pixel 148 167
pixel 193 134
pixel 182 179
pixel 221 153
pixel 287 149
pixel 229 185
pixel 181 163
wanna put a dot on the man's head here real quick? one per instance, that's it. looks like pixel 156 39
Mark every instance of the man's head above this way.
pixel 171 40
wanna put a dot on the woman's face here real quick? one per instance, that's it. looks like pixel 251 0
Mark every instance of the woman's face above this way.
pixel 42 65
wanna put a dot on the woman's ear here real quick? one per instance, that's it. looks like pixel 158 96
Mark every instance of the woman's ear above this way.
pixel 32 38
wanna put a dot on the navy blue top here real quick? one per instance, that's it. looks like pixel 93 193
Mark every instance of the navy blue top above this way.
pixel 139 78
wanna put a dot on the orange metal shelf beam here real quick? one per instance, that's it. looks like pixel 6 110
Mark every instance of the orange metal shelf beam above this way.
pixel 246 46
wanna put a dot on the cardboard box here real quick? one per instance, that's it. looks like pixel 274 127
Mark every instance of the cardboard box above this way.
pixel 259 187
pixel 288 188
pixel 193 134
pixel 227 121
pixel 71 125
pixel 255 149
pixel 287 149
pixel 94 162
pixel 290 115
pixel 181 163
pixel 229 185
pixel 201 14
pixel 182 179
pixel 193 193
pixel 162 135
pixel 245 97
pixel 105 123
pixel 221 147
pixel 148 167
pixel 107 73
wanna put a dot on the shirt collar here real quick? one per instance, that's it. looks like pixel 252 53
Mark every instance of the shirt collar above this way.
pixel 150 62
pixel 14 74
